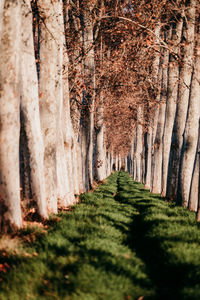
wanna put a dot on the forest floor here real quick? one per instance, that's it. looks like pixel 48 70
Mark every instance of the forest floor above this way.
pixel 120 242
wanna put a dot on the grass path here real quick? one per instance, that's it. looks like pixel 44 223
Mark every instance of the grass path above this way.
pixel 120 243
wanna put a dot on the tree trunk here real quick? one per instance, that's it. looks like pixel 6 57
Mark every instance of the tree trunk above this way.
pixel 190 139
pixel 197 174
pixel 126 164
pixel 116 162
pixel 30 111
pixel 111 161
pixel 157 170
pixel 182 102
pixel 172 91
pixel 68 134
pixel 89 93
pixel 100 155
pixel 154 122
pixel 148 158
pixel 50 90
pixel 195 184
pixel 139 146
pixel 120 162
pixel 154 118
pixel 79 163
pixel 158 143
pixel 10 217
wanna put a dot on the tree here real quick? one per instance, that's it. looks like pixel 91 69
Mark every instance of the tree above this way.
pixel 10 217
pixel 183 98
pixel 30 117
pixel 188 192
pixel 158 145
pixel 172 91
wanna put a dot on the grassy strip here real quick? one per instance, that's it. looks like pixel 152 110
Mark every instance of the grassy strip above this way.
pixel 120 242
pixel 84 254
pixel 167 238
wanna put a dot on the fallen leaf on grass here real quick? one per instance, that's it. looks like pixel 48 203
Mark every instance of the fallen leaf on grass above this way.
pixel 4 267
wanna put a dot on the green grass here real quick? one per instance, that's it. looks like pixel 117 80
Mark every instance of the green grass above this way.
pixel 120 242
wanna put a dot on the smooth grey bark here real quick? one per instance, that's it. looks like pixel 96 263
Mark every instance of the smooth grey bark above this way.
pixel 190 138
pixel 197 173
pixel 120 162
pixel 148 158
pixel 100 155
pixel 154 122
pixel 116 162
pixel 156 73
pixel 72 22
pixel 30 111
pixel 172 92
pixel 182 101
pixel 89 93
pixel 194 196
pixel 68 136
pixel 51 96
pixel 79 163
pixel 139 143
pixel 131 159
pixel 10 217
pixel 134 157
pixel 158 143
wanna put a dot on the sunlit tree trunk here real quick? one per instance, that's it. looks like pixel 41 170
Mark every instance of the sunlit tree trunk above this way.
pixel 151 134
pixel 116 162
pixel 139 144
pixel 195 184
pixel 100 155
pixel 190 138
pixel 134 157
pixel 182 101
pixel 30 111
pixel 158 143
pixel 197 174
pixel 148 158
pixel 172 91
pixel 72 22
pixel 89 93
pixel 126 164
pixel 51 96
pixel 10 216
pixel 79 163
pixel 131 159
pixel 68 135
pixel 120 162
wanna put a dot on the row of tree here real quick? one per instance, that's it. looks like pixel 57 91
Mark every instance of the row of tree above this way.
pixel 166 156
pixel 46 155
pixel 91 86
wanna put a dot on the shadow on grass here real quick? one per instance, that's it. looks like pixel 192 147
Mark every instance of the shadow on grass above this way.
pixel 167 245
pixel 119 243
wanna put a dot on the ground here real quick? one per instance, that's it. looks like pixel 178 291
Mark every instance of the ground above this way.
pixel 120 242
